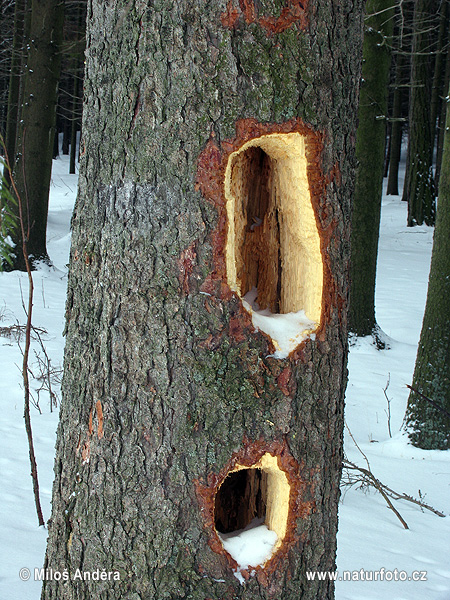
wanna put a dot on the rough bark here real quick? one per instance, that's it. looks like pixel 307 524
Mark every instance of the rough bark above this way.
pixel 370 152
pixel 441 124
pixel 428 427
pixel 167 384
pixel 34 146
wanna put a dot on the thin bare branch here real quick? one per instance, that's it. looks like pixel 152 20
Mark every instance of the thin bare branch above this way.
pixel 432 402
pixel 388 400
pixel 26 382
pixel 377 485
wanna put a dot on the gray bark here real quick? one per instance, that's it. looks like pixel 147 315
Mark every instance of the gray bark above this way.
pixel 167 384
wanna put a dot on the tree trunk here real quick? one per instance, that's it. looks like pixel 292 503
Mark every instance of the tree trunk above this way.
pixel 428 426
pixel 34 148
pixel 203 125
pixel 420 190
pixel 7 10
pixel 441 123
pixel 74 121
pixel 387 152
pixel 77 67
pixel 67 130
pixel 14 82
pixel 370 152
pixel 396 128
pixel 438 88
pixel 406 9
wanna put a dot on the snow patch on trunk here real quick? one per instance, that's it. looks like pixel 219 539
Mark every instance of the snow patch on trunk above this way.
pixel 287 331
pixel 251 546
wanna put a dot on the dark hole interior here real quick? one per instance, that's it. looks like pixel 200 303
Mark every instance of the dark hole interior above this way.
pixel 259 243
pixel 240 499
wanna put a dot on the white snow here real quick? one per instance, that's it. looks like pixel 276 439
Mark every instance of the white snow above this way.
pixel 22 542
pixel 251 546
pixel 370 535
pixel 286 330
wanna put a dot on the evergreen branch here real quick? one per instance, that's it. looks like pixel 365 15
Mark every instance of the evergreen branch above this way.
pixel 8 221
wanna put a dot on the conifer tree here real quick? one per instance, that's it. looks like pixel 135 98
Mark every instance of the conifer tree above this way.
pixel 218 161
pixel 428 412
pixel 370 152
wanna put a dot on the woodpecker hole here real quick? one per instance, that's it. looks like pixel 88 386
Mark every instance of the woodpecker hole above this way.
pixel 260 491
pixel 273 244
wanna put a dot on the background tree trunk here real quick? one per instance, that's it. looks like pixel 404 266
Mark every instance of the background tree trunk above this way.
pixel 428 427
pixel 74 123
pixel 6 52
pixel 14 82
pixel 395 148
pixel 34 145
pixel 438 88
pixel 419 183
pixel 370 152
pixel 441 123
pixel 168 386
pixel 78 31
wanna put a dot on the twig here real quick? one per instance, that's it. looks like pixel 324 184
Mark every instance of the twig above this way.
pixel 421 503
pixel 26 383
pixel 18 330
pixel 379 486
pixel 388 412
pixel 432 402
pixel 387 490
pixel 48 375
pixel 356 444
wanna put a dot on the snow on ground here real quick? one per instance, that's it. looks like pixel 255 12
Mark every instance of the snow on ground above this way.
pixel 370 535
pixel 22 542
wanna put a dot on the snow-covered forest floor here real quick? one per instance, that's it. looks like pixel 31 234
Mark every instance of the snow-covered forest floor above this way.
pixel 370 535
